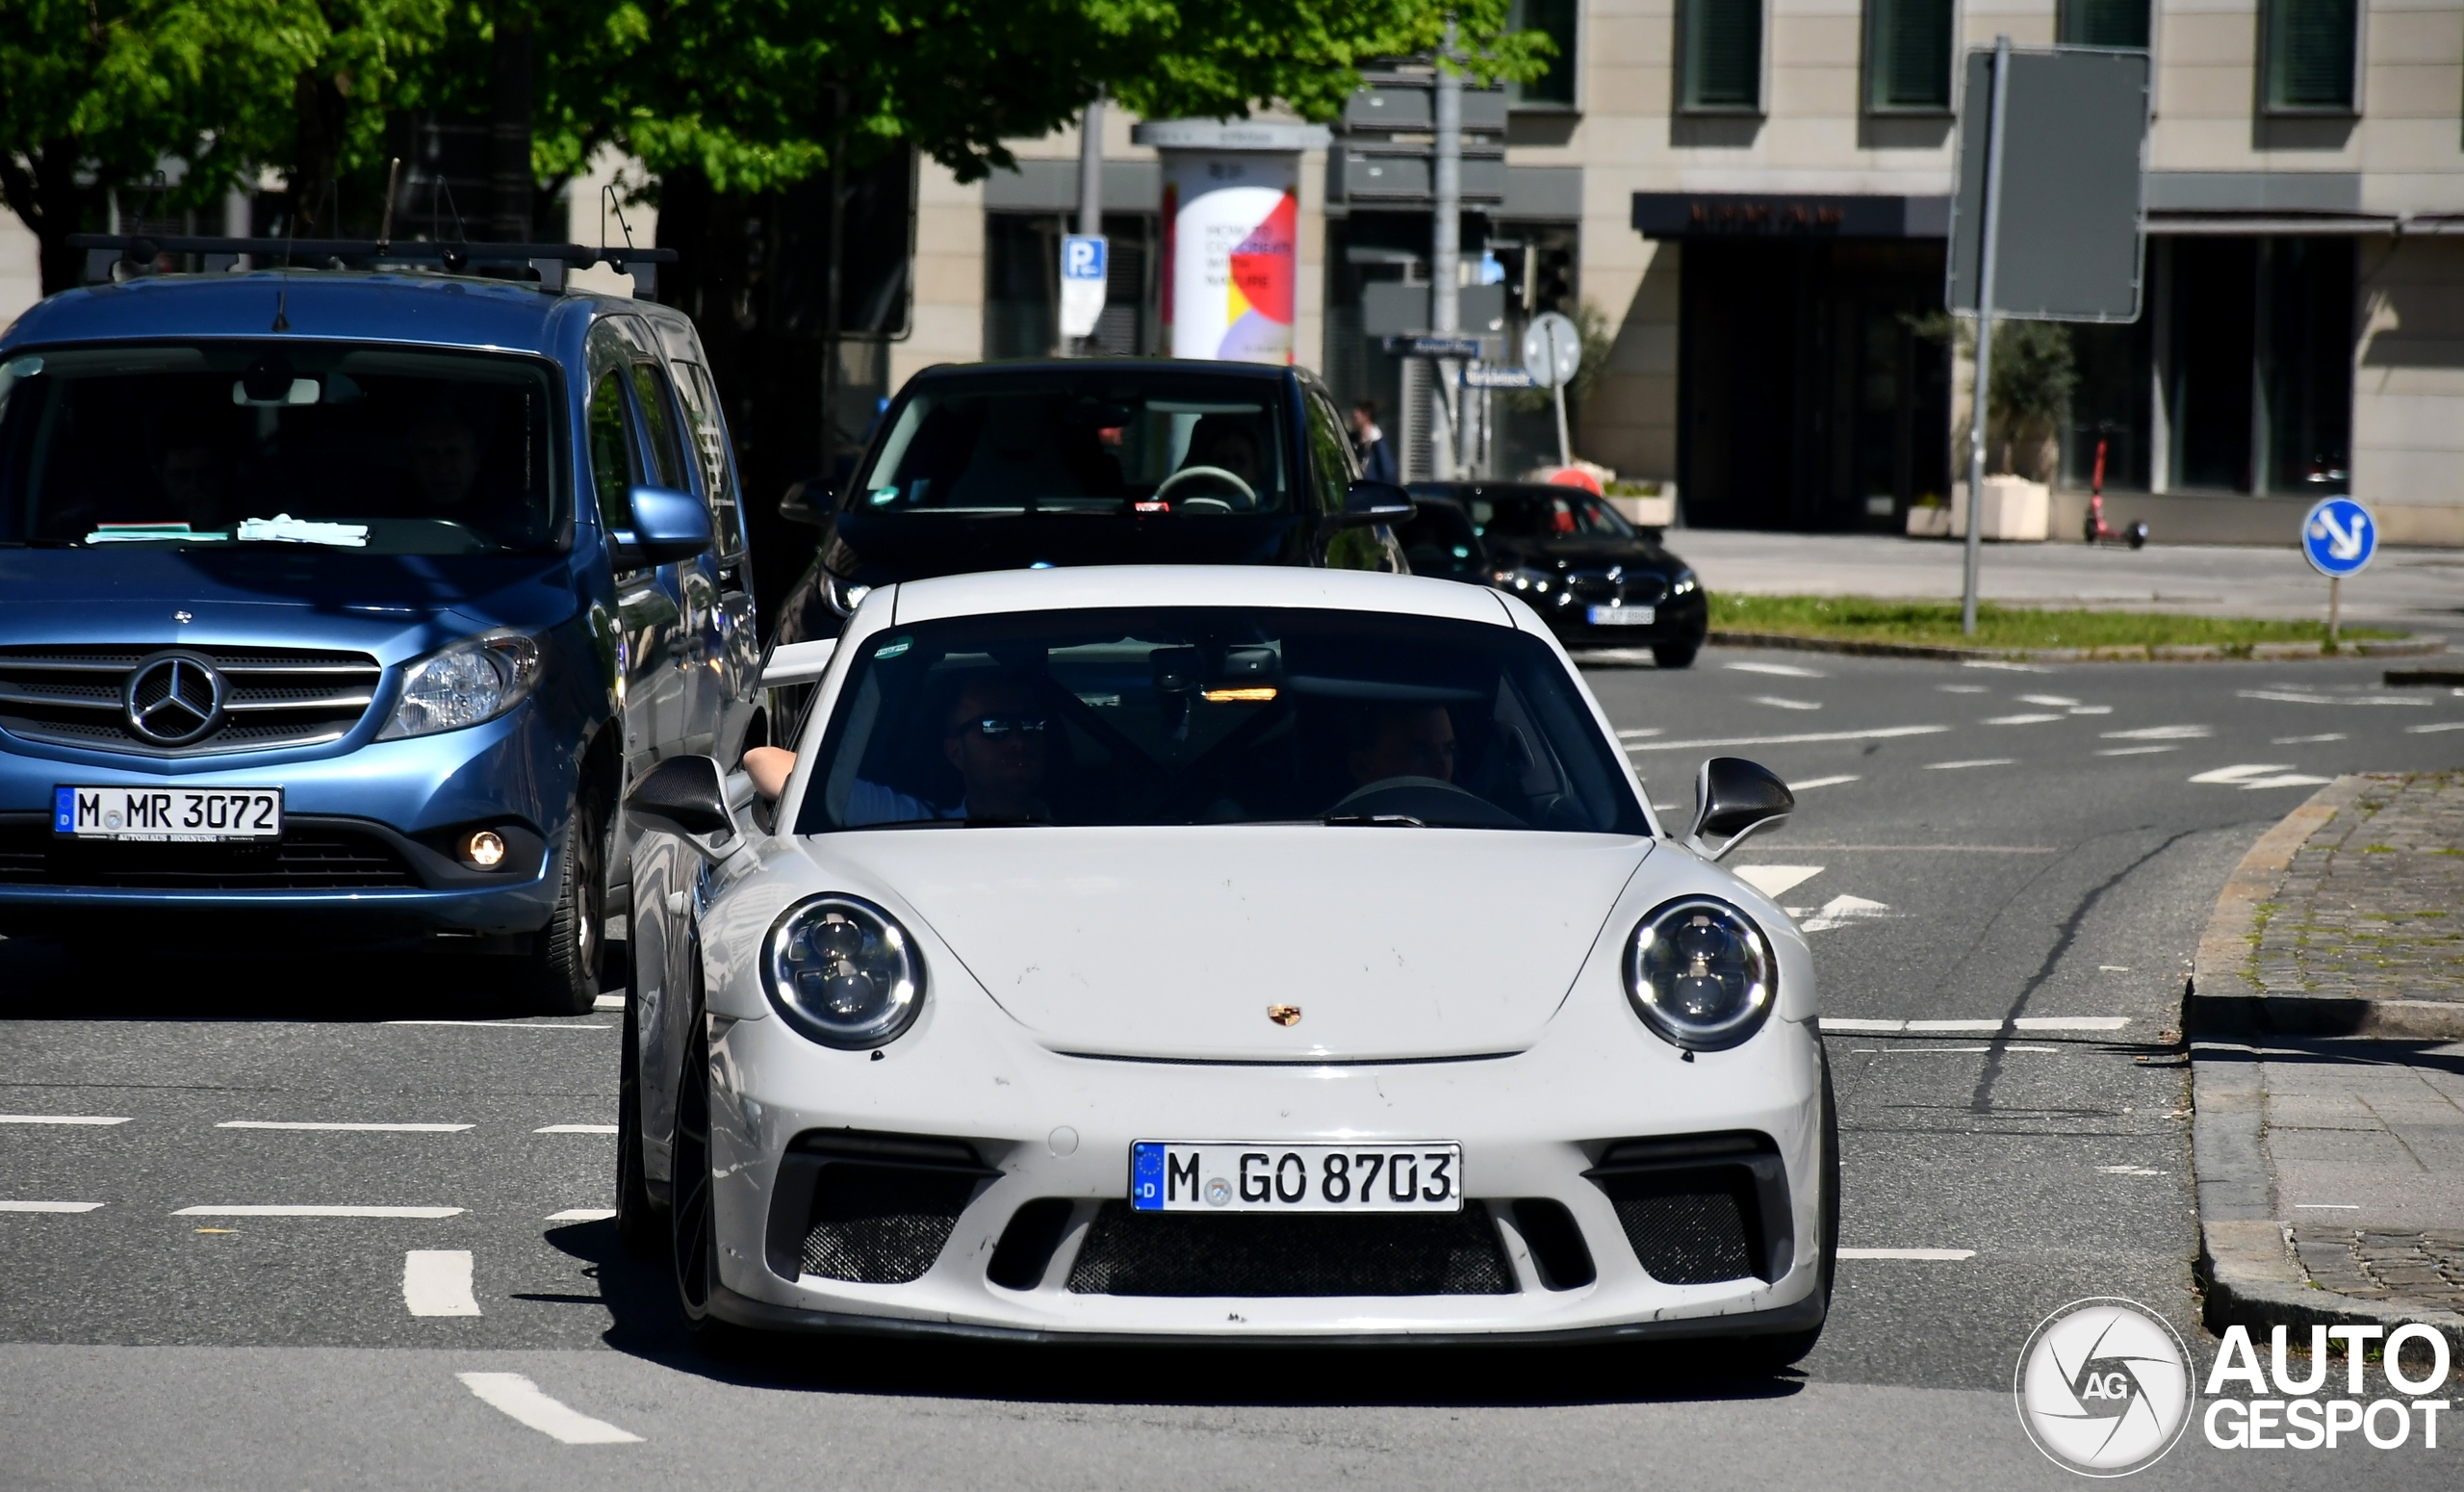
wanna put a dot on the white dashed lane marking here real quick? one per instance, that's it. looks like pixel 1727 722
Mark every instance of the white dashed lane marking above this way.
pixel 354 1128
pixel 582 1215
pixel 2135 750
pixel 48 1206
pixel 1823 781
pixel 2306 740
pixel 1884 733
pixel 1777 701
pixel 2425 730
pixel 2163 733
pixel 574 1129
pixel 437 1282
pixel 1775 881
pixel 2022 719
pixel 608 1002
pixel 1777 670
pixel 316 1211
pixel 2257 774
pixel 518 1398
pixel 61 1118
pixel 1911 1255
pixel 502 1026
pixel 2288 697
pixel 1977 761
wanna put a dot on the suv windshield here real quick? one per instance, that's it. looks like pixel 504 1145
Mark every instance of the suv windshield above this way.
pixel 1101 440
pixel 1217 715
pixel 1547 513
pixel 381 450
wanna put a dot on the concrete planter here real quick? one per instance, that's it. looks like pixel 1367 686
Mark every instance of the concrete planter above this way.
pixel 2016 510
pixel 1659 512
pixel 1929 523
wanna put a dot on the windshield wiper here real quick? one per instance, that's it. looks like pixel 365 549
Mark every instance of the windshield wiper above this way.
pixel 1375 820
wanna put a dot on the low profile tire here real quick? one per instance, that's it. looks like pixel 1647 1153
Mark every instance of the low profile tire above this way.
pixel 1676 655
pixel 640 1223
pixel 1770 1354
pixel 560 977
pixel 692 1231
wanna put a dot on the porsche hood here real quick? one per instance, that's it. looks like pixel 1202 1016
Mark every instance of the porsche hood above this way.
pixel 1198 944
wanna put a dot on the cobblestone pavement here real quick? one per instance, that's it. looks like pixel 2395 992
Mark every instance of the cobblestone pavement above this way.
pixel 2372 905
pixel 2368 1264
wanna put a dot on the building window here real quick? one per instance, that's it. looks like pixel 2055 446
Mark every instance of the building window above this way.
pixel 1555 19
pixel 2259 388
pixel 2114 23
pixel 2311 47
pixel 1907 56
pixel 1723 52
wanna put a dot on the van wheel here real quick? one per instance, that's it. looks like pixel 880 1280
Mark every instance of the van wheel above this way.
pixel 561 976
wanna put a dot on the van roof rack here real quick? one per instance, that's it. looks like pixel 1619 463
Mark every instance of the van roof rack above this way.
pixel 144 252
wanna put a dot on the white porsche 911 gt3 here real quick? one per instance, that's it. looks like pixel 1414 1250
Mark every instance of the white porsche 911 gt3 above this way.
pixel 1147 954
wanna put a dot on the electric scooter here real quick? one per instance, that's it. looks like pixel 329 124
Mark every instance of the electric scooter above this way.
pixel 2134 534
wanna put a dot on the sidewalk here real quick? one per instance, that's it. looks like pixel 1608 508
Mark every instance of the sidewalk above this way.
pixel 2409 589
pixel 2326 1018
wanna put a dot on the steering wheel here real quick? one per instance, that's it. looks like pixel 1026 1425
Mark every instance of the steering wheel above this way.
pixel 1426 798
pixel 1164 489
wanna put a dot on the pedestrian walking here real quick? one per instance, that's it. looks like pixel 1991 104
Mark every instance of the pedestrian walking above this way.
pixel 1376 457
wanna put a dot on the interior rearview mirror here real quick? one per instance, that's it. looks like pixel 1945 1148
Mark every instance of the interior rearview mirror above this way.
pixel 1734 798
pixel 687 796
pixel 668 526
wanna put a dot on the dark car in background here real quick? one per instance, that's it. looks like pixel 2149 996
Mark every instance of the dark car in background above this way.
pixel 1595 578
pixel 1008 466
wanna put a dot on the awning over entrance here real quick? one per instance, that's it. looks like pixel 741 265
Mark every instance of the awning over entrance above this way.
pixel 1690 214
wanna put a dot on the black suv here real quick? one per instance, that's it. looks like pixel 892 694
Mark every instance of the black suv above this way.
pixel 994 466
pixel 1595 578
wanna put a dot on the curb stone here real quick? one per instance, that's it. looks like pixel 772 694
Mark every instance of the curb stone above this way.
pixel 2261 651
pixel 2252 1281
pixel 2221 999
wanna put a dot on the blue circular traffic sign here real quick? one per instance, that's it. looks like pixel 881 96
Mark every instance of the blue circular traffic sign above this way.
pixel 2339 537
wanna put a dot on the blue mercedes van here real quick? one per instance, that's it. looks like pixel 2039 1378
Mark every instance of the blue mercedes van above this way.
pixel 343 606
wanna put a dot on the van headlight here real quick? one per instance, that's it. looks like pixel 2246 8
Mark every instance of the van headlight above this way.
pixel 842 972
pixel 466 685
pixel 1701 973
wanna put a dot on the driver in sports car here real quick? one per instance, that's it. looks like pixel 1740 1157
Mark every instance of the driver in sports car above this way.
pixel 1402 740
pixel 993 735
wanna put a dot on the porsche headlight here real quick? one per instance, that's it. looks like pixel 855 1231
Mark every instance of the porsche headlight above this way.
pixel 842 972
pixel 1701 973
pixel 466 685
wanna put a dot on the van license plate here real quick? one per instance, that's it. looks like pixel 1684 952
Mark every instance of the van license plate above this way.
pixel 202 816
pixel 1266 1176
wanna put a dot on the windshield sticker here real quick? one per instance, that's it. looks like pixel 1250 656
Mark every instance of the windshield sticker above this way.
pixel 892 649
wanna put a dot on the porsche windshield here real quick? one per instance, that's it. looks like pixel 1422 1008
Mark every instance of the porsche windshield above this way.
pixel 379 449
pixel 1105 441
pixel 1215 716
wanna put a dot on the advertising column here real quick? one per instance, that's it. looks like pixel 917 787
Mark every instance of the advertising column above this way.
pixel 1231 235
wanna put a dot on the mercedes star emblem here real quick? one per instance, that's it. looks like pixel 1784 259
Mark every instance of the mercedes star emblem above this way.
pixel 173 699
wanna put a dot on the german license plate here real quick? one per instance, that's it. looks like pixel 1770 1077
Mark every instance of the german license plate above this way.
pixel 1232 1176
pixel 1621 616
pixel 202 816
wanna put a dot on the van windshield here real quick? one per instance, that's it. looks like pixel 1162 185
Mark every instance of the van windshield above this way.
pixel 379 449
pixel 1105 441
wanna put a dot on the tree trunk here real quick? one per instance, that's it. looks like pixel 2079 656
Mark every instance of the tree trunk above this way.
pixel 511 185
pixel 319 104
pixel 53 204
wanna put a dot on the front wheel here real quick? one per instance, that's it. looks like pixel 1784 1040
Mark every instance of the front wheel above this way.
pixel 692 1225
pixel 638 1225
pixel 1676 655
pixel 560 976
pixel 1771 1353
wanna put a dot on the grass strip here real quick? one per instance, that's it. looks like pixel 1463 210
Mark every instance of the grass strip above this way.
pixel 1880 619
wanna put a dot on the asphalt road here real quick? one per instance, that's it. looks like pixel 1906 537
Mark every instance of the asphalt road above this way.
pixel 1981 845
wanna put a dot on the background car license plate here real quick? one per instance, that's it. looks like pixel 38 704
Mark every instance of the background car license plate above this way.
pixel 1234 1175
pixel 1621 616
pixel 199 814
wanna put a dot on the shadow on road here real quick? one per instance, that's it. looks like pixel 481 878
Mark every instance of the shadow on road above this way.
pixel 191 974
pixel 648 1324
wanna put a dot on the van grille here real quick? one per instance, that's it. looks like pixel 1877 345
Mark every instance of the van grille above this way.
pixel 273 697
pixel 306 858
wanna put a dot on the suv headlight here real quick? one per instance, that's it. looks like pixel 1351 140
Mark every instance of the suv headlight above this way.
pixel 1685 584
pixel 1523 579
pixel 464 685
pixel 1701 973
pixel 842 972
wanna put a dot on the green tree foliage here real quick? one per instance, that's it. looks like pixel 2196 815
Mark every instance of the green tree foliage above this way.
pixel 94 92
pixel 2035 372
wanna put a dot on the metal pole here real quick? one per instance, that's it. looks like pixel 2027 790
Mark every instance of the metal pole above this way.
pixel 1445 242
pixel 1090 180
pixel 1565 446
pixel 1991 248
pixel 2335 608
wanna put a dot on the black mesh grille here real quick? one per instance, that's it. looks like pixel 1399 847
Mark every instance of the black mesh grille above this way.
pixel 273 697
pixel 1255 1255
pixel 881 1225
pixel 306 858
pixel 1687 1229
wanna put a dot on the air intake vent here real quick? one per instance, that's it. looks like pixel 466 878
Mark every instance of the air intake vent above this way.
pixel 1127 1253
pixel 868 1208
pixel 264 699
pixel 1701 1209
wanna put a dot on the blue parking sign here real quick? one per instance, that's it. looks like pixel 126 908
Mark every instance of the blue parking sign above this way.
pixel 2339 537
pixel 1081 257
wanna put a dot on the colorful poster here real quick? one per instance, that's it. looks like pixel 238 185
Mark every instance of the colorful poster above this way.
pixel 1231 229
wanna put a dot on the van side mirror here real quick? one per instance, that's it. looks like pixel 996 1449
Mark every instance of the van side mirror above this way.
pixel 1375 503
pixel 1734 798
pixel 687 796
pixel 668 526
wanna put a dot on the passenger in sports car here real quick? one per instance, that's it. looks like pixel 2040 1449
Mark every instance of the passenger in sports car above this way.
pixel 993 737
